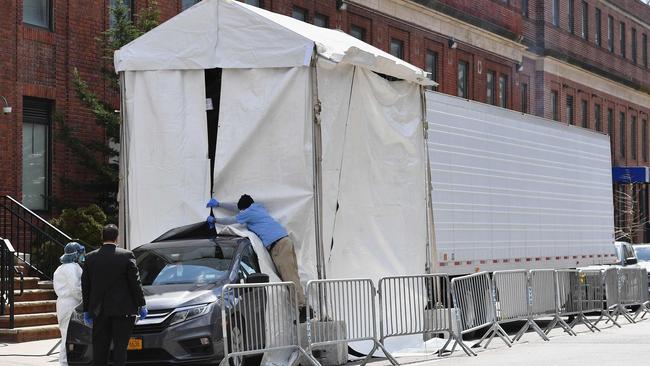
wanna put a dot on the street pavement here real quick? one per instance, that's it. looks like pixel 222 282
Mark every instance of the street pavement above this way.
pixel 629 346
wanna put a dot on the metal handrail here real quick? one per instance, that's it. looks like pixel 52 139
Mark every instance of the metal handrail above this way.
pixel 7 254
pixel 36 216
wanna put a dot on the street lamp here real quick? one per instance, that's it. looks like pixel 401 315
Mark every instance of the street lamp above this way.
pixel 7 108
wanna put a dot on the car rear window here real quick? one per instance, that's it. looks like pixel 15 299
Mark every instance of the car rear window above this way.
pixel 184 265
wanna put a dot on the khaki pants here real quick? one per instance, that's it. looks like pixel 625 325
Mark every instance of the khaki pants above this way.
pixel 284 258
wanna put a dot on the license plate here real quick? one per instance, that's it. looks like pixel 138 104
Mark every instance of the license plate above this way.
pixel 135 344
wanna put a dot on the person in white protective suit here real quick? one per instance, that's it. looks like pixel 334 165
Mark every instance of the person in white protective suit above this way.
pixel 67 285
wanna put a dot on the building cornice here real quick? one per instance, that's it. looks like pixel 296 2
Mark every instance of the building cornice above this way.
pixel 443 24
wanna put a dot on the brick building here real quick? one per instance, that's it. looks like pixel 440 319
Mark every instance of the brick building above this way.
pixel 578 62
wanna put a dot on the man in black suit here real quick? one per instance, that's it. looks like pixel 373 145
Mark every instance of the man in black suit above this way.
pixel 112 296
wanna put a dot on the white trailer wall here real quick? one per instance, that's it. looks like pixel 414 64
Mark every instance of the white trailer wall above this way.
pixel 516 191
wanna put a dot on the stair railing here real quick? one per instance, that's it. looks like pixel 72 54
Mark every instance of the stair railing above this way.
pixel 7 273
pixel 37 243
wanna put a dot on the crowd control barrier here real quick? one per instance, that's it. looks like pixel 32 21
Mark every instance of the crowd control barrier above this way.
pixel 259 318
pixel 633 291
pixel 610 301
pixel 644 309
pixel 570 287
pixel 419 304
pixel 514 300
pixel 543 284
pixel 473 298
pixel 349 306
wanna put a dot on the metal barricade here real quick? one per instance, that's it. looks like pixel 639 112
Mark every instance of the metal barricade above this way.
pixel 544 302
pixel 349 305
pixel 644 309
pixel 259 318
pixel 587 289
pixel 570 288
pixel 473 297
pixel 633 288
pixel 513 300
pixel 610 301
pixel 418 304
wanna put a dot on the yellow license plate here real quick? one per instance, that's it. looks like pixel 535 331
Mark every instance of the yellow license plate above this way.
pixel 135 344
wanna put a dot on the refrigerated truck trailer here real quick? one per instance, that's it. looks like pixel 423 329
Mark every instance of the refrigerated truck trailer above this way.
pixel 511 190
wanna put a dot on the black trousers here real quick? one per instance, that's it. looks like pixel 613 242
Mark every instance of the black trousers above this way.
pixel 111 328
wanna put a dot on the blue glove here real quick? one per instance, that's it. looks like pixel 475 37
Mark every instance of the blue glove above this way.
pixel 211 220
pixel 212 203
pixel 143 312
pixel 88 320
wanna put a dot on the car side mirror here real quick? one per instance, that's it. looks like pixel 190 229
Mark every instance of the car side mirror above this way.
pixel 631 261
pixel 257 278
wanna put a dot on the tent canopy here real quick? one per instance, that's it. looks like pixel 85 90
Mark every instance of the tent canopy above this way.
pixel 231 34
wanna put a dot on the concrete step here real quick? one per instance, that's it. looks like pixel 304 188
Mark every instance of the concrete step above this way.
pixel 34 295
pixel 25 334
pixel 28 283
pixel 34 307
pixel 29 320
pixel 45 285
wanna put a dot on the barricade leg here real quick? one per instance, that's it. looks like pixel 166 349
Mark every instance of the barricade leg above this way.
pixel 463 346
pixel 580 318
pixel 606 314
pixel 495 330
pixel 530 323
pixel 557 320
pixel 622 311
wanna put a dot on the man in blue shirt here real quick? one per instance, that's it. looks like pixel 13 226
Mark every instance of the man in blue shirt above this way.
pixel 274 237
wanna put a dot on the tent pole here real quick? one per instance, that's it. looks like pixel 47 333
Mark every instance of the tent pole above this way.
pixel 317 168
pixel 123 191
pixel 431 236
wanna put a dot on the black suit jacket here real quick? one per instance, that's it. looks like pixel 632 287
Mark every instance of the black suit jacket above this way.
pixel 110 282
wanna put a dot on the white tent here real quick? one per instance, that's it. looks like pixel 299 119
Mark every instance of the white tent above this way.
pixel 307 126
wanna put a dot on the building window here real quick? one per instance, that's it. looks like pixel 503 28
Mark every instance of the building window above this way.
pixel 570 109
pixel 321 20
pixel 186 4
pixel 597 35
pixel 598 118
pixel 610 125
pixel 633 143
pixel 257 3
pixel 524 8
pixel 299 13
pixel 358 32
pixel 554 105
pixel 463 79
pixel 585 20
pixel 113 4
pixel 503 91
pixel 38 13
pixel 37 121
pixel 571 14
pixel 584 111
pixel 490 88
pixel 644 48
pixel 621 132
pixel 431 66
pixel 524 97
pixel 397 48
pixel 556 13
pixel 610 33
pixel 622 38
pixel 634 45
pixel 644 139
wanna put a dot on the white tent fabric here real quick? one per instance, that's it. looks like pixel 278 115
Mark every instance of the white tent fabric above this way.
pixel 380 226
pixel 231 34
pixel 264 149
pixel 166 175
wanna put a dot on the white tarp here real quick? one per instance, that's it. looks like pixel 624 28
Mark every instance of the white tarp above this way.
pixel 264 149
pixel 230 34
pixel 166 175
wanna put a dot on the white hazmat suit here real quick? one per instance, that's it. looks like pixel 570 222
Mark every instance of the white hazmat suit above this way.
pixel 67 285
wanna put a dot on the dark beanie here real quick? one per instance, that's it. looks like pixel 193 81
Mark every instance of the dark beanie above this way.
pixel 245 201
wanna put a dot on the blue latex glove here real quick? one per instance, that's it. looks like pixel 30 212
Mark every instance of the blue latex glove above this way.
pixel 212 203
pixel 143 312
pixel 88 320
pixel 211 220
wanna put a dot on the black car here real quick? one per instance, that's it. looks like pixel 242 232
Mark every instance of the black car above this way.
pixel 183 273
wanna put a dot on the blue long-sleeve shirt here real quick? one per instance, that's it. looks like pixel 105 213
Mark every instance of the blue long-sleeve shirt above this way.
pixel 257 220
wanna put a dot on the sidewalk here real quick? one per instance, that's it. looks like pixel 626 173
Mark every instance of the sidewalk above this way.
pixel 628 346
